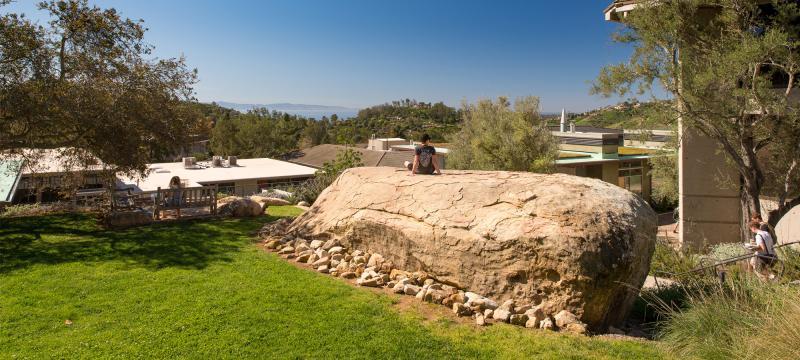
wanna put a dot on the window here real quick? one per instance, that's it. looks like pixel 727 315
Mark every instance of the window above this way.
pixel 631 175
pixel 285 183
pixel 227 188
pixel 263 185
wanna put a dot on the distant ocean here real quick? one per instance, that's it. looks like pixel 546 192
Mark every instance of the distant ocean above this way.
pixel 318 114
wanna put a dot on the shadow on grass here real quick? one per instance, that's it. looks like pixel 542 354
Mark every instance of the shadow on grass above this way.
pixel 64 238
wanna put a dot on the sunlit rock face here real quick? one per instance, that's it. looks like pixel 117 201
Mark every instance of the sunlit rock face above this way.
pixel 559 241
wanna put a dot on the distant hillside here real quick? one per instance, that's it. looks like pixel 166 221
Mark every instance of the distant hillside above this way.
pixel 305 110
pixel 405 118
pixel 626 115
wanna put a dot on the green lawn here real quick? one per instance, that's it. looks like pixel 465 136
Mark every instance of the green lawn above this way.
pixel 205 290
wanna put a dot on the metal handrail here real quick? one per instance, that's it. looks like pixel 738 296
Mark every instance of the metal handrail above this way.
pixel 723 263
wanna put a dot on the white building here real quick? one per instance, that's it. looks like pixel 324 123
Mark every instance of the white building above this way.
pixel 236 176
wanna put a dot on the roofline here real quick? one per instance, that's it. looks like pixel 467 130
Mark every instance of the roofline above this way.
pixel 254 178
pixel 612 11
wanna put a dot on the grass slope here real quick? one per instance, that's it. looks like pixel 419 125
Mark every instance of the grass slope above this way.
pixel 205 290
pixel 629 117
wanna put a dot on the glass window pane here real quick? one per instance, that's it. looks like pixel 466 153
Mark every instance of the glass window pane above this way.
pixel 636 184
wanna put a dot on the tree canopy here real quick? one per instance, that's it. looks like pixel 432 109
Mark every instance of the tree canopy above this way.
pixel 495 136
pixel 87 80
pixel 730 67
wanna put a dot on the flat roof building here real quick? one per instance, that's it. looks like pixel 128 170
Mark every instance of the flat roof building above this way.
pixel 245 177
pixel 602 154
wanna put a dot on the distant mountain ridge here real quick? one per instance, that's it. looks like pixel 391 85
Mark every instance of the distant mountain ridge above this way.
pixel 285 106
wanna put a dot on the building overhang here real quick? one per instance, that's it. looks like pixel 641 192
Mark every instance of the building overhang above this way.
pixel 619 9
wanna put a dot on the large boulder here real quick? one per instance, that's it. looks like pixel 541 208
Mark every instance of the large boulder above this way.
pixel 124 219
pixel 269 201
pixel 239 207
pixel 558 241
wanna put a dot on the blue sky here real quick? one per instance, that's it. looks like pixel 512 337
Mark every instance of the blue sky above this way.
pixel 358 53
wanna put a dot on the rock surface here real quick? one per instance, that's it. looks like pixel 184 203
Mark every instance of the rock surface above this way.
pixel 239 207
pixel 558 241
pixel 123 219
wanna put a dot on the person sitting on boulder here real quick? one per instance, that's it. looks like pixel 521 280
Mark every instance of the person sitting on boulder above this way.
pixel 425 159
pixel 764 249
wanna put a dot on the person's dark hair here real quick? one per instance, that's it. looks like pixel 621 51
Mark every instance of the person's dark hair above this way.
pixel 756 217
pixel 425 138
pixel 175 181
pixel 755 224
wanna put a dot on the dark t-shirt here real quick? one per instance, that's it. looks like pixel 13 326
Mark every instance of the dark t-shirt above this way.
pixel 425 154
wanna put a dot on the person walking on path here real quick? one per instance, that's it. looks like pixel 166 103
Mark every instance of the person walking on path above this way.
pixel 764 249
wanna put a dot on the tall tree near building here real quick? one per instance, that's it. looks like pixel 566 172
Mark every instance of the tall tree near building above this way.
pixel 731 68
pixel 497 136
pixel 86 80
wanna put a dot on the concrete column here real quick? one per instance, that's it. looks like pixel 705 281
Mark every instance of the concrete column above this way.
pixel 708 191
pixel 611 172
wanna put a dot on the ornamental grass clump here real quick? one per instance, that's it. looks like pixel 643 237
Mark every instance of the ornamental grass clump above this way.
pixel 741 319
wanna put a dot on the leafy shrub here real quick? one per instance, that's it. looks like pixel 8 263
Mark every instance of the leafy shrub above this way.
pixel 35 209
pixel 725 251
pixel 325 176
pixel 670 260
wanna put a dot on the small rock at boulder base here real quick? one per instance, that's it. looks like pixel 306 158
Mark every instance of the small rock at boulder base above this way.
pixel 239 207
pixel 396 273
pixel 286 250
pixel 330 244
pixel 316 244
pixel 532 323
pixel 323 269
pixel 479 319
pixel 576 328
pixel 303 204
pixel 335 250
pixel 561 241
pixel 376 260
pixel 488 313
pixel 272 244
pixel 518 319
pixel 349 275
pixel 411 290
pixel 535 316
pixel 398 288
pixel 564 318
pixel 371 282
pixel 461 310
pixel 547 324
pixel 421 294
pixel 521 309
pixel 320 262
pixel 507 305
pixel 501 315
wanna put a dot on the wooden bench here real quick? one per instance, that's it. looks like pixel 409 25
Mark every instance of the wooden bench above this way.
pixel 185 198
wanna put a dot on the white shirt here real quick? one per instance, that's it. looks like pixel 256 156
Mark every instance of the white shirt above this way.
pixel 765 239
